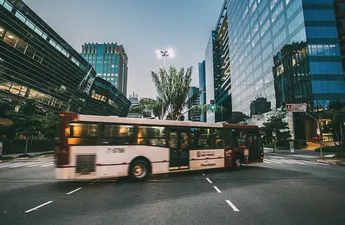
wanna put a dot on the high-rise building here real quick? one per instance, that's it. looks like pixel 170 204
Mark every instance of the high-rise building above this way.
pixel 298 39
pixel 220 66
pixel 339 6
pixel 193 113
pixel 283 50
pixel 110 62
pixel 259 106
pixel 37 63
pixel 202 88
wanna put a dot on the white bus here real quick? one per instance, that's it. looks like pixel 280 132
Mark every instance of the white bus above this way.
pixel 95 147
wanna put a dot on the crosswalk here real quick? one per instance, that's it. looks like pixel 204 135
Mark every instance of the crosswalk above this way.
pixel 26 164
pixel 283 160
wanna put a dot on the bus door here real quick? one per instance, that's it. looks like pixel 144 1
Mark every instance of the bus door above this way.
pixel 179 148
pixel 253 145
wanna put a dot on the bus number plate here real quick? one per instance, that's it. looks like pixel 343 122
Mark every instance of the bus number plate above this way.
pixel 115 150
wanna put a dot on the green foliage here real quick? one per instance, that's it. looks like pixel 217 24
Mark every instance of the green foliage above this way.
pixel 337 111
pixel 276 123
pixel 26 122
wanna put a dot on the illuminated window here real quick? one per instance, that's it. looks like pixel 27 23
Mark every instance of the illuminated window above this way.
pixel 20 16
pixel 10 39
pixel 151 135
pixel 118 134
pixel 8 6
pixel 2 31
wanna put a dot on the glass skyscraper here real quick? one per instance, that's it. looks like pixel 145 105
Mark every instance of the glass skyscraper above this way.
pixel 284 50
pixel 109 61
pixel 202 87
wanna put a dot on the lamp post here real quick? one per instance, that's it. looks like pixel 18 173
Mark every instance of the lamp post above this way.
pixel 164 54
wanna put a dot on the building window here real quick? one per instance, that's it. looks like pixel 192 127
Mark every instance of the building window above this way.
pixel 20 16
pixel 2 31
pixel 8 6
pixel 10 39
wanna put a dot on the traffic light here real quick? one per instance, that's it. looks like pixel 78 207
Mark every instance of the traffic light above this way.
pixel 212 106
pixel 283 106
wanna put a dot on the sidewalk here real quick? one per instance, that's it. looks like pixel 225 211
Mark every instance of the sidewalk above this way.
pixel 333 161
pixel 32 154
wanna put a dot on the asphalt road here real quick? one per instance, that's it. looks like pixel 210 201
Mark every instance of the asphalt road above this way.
pixel 283 190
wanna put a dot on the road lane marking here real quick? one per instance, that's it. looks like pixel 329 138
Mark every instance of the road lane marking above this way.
pixel 49 164
pixel 36 164
pixel 265 161
pixel 30 210
pixel 215 187
pixel 273 161
pixel 203 174
pixel 71 192
pixel 232 205
pixel 209 180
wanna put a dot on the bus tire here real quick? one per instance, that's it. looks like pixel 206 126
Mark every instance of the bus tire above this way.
pixel 139 170
pixel 237 162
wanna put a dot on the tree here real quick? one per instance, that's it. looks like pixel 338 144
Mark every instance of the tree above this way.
pixel 276 124
pixel 172 87
pixel 148 105
pixel 337 111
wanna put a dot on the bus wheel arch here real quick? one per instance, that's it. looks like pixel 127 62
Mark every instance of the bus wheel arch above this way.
pixel 139 168
pixel 237 160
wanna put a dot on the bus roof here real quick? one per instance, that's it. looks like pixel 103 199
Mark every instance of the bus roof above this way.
pixel 143 121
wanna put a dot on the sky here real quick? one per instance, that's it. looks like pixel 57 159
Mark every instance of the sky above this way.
pixel 141 26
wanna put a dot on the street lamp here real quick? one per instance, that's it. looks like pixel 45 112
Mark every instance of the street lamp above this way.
pixel 165 53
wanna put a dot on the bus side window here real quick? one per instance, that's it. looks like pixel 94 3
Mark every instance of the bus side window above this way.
pixel 151 135
pixel 222 138
pixel 201 138
pixel 114 134
pixel 238 138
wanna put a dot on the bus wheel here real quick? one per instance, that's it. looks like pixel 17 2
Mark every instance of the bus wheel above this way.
pixel 237 162
pixel 139 170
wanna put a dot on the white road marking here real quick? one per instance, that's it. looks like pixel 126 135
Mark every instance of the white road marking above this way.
pixel 273 161
pixel 232 205
pixel 37 164
pixel 215 187
pixel 203 174
pixel 265 161
pixel 209 180
pixel 298 162
pixel 45 165
pixel 71 192
pixel 30 210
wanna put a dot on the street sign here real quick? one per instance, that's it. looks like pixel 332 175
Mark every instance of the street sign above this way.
pixel 296 107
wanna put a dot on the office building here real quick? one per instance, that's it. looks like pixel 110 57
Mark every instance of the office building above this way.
pixel 110 62
pixel 259 106
pixel 218 49
pixel 194 100
pixel 202 88
pixel 284 50
pixel 339 7
pixel 36 63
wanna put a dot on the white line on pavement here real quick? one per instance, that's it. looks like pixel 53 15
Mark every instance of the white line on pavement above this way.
pixel 273 161
pixel 27 211
pixel 232 205
pixel 36 164
pixel 215 187
pixel 265 161
pixel 71 192
pixel 203 174
pixel 45 165
pixel 209 180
